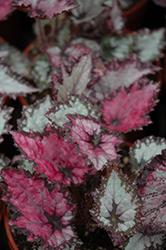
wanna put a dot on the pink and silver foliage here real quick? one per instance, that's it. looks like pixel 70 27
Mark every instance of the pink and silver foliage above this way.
pixel 143 151
pixel 121 73
pixel 99 147
pixel 13 84
pixel 74 105
pixel 45 8
pixel 129 108
pixel 71 142
pixel 117 207
pixel 43 213
pixel 76 82
pixel 71 54
pixel 56 157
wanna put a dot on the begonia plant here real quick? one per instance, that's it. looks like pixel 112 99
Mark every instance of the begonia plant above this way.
pixel 99 85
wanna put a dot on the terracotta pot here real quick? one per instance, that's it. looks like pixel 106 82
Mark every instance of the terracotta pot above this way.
pixel 11 241
pixel 134 15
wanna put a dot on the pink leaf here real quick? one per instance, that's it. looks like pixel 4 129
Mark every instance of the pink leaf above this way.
pixel 5 8
pixel 55 157
pixel 129 107
pixel 99 147
pixel 45 214
pixel 46 8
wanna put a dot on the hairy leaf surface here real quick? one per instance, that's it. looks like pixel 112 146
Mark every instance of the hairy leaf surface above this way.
pixel 146 44
pixel 129 108
pixel 145 150
pixel 121 74
pixel 33 116
pixel 10 85
pixel 75 105
pixel 99 147
pixel 116 206
pixel 77 81
pixel 17 61
pixel 45 214
pixel 57 158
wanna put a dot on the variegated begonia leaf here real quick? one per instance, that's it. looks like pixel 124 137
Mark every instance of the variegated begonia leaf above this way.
pixel 100 148
pixel 54 55
pixel 148 45
pixel 75 105
pixel 44 214
pixel 41 72
pixel 152 188
pixel 143 151
pixel 92 44
pixel 116 20
pixel 18 62
pixel 45 8
pixel 87 10
pixel 69 56
pixel 34 116
pixel 75 83
pixel 12 85
pixel 121 73
pixel 56 157
pixel 142 242
pixel 119 47
pixel 5 115
pixel 116 206
pixel 5 9
pixel 129 108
